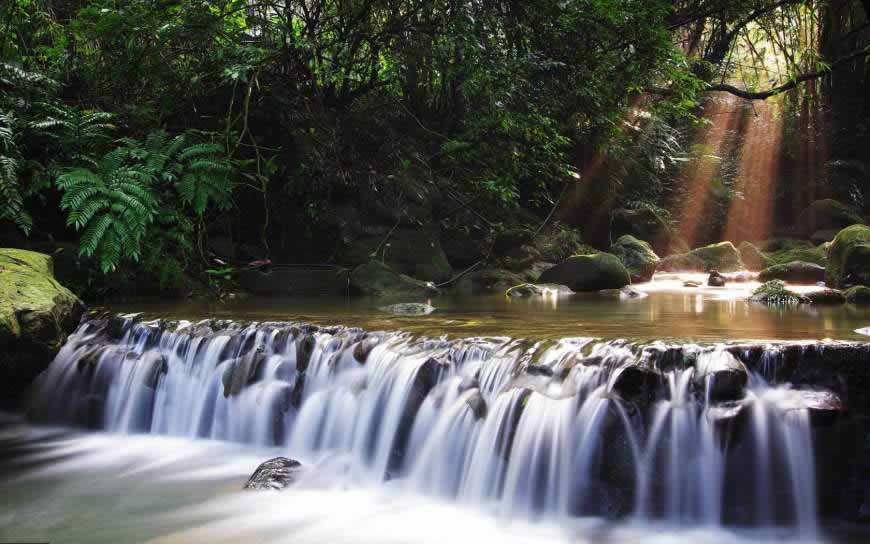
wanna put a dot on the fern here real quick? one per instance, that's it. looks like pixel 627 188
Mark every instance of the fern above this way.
pixel 79 134
pixel 112 206
pixel 11 197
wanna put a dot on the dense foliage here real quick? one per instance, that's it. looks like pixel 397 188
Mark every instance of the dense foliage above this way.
pixel 260 120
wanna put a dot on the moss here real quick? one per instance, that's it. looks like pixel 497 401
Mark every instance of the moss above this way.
pixel 775 292
pixel 828 213
pixel 723 257
pixel 849 257
pixel 782 244
pixel 815 255
pixel 588 273
pixel 637 256
pixel 800 272
pixel 752 257
pixel 858 294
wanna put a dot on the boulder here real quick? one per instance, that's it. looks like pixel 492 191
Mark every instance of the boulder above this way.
pixel 775 292
pixel 378 279
pixel 588 273
pixel 477 405
pixel 849 258
pixel 824 215
pixel 798 272
pixel 826 296
pixel 277 473
pixel 822 236
pixel 488 280
pixel 722 256
pixel 36 314
pixel 637 256
pixel 510 239
pixel 858 294
pixel 521 258
pixel 752 257
pixel 643 224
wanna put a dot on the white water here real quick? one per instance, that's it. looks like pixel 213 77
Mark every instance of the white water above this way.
pixel 443 424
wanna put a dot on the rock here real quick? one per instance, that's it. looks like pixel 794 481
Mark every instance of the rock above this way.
pixel 826 296
pixel 715 279
pixel 858 294
pixel 825 215
pixel 462 251
pixel 752 257
pixel 242 371
pixel 637 256
pixel 588 273
pixel 722 256
pixel 488 280
pixel 740 277
pixel 477 405
pixel 377 279
pixel 36 314
pixel 627 292
pixel 561 244
pixel 775 292
pixel 865 331
pixel 797 272
pixel 691 283
pixel 721 375
pixel 637 384
pixel 524 290
pixel 277 473
pixel 409 308
pixel 521 258
pixel 643 224
pixel 363 348
pixel 849 258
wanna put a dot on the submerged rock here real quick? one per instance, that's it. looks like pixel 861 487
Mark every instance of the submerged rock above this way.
pixel 36 314
pixel 588 273
pixel 798 272
pixel 637 256
pixel 277 473
pixel 409 308
pixel 849 258
pixel 377 279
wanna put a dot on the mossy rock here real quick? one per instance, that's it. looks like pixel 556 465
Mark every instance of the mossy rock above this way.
pixel 378 279
pixel 722 257
pixel 637 256
pixel 36 314
pixel 588 273
pixel 561 244
pixel 826 214
pixel 809 254
pixel 849 258
pixel 510 239
pixel 773 245
pixel 486 281
pixel 752 257
pixel 775 292
pixel 799 272
pixel 859 295
pixel 826 297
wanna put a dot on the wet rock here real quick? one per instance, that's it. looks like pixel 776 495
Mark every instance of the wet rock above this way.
pixel 242 371
pixel 524 290
pixel 468 382
pixel 424 380
pixel 377 279
pixel 797 272
pixel 636 384
pixel 539 370
pixel 588 273
pixel 721 375
pixel 275 474
pixel 691 283
pixel 715 279
pixel 638 257
pixel 826 296
pixel 363 348
pixel 858 294
pixel 823 406
pixel 36 315
pixel 627 292
pixel 304 349
pixel 849 258
pixel 477 405
pixel 409 308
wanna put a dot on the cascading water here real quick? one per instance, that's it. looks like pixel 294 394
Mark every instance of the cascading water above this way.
pixel 572 428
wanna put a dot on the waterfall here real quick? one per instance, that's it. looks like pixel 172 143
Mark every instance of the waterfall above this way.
pixel 575 427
